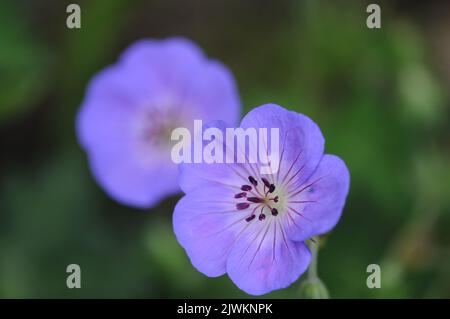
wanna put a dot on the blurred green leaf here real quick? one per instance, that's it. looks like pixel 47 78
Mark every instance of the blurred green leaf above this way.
pixel 24 64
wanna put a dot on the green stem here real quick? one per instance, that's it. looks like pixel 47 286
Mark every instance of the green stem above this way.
pixel 314 247
pixel 312 287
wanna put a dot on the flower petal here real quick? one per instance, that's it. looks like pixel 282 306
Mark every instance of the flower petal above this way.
pixel 106 111
pixel 202 175
pixel 128 182
pixel 165 67
pixel 263 259
pixel 214 94
pixel 301 141
pixel 206 224
pixel 318 203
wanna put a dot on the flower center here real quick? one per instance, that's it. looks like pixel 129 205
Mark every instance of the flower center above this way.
pixel 153 127
pixel 258 196
pixel 158 128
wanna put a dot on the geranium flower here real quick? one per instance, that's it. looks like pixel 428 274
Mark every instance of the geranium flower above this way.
pixel 253 227
pixel 130 108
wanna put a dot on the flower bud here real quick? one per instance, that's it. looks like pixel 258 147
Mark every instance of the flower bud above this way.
pixel 313 289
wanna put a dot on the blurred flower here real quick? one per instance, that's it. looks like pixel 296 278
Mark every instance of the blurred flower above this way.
pixel 233 220
pixel 131 108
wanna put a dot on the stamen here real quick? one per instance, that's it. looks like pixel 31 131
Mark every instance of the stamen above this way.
pixel 252 180
pixel 266 182
pixel 276 199
pixel 250 218
pixel 274 212
pixel 242 206
pixel 271 188
pixel 246 188
pixel 262 217
pixel 240 195
pixel 255 199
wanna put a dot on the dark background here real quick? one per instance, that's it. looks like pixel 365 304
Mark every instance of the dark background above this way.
pixel 379 96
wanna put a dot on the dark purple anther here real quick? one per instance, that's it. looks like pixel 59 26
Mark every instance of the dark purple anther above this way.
pixel 246 188
pixel 252 180
pixel 274 212
pixel 262 217
pixel 250 218
pixel 271 188
pixel 241 206
pixel 255 199
pixel 275 199
pixel 240 195
pixel 266 182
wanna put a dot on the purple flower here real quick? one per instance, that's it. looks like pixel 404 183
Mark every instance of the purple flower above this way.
pixel 253 227
pixel 131 107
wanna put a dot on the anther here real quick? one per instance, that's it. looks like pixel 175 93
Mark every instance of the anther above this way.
pixel 271 188
pixel 240 195
pixel 274 212
pixel 250 218
pixel 246 188
pixel 252 180
pixel 262 217
pixel 276 199
pixel 266 182
pixel 241 206
pixel 255 199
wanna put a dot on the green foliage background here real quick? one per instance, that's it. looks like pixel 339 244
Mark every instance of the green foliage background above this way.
pixel 380 97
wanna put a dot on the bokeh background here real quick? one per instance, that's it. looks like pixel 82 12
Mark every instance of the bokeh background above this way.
pixel 380 97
